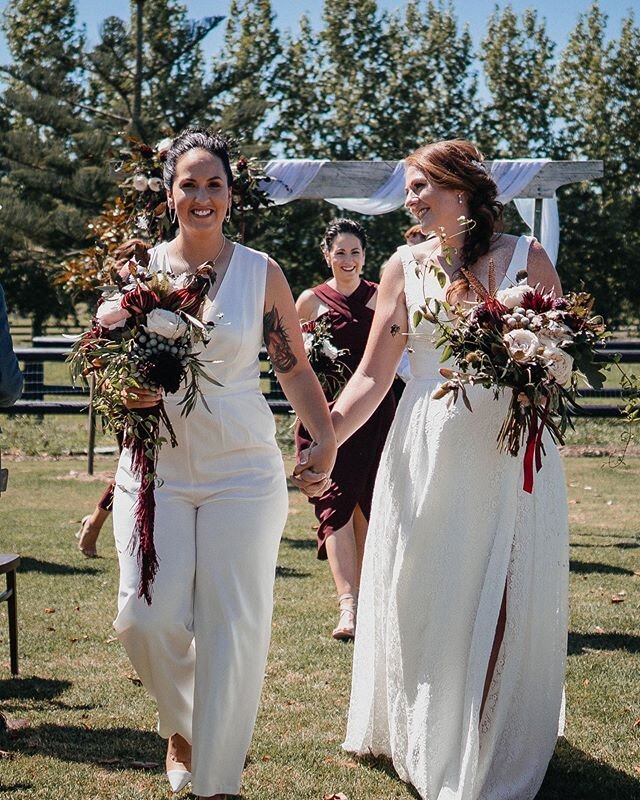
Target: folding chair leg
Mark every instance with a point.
(12, 609)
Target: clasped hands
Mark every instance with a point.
(312, 473)
(135, 397)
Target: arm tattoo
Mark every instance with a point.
(276, 340)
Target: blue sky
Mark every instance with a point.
(561, 15)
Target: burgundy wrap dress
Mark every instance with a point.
(354, 474)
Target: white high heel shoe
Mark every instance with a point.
(178, 779)
(179, 775)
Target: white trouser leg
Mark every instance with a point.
(237, 545)
(159, 638)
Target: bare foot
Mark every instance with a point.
(178, 753)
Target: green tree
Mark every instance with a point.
(52, 163)
(598, 90)
(518, 61)
(298, 104)
(64, 105)
(148, 73)
(430, 88)
(252, 47)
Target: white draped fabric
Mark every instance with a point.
(289, 178)
(292, 176)
(514, 175)
(387, 198)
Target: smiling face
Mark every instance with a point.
(432, 205)
(345, 257)
(200, 192)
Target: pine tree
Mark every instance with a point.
(51, 160)
(67, 104)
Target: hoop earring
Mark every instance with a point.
(172, 216)
(228, 214)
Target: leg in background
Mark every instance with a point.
(497, 643)
(91, 525)
(342, 554)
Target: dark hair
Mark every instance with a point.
(338, 226)
(191, 139)
(457, 164)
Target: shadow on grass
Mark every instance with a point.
(384, 765)
(9, 788)
(300, 544)
(50, 568)
(110, 748)
(579, 642)
(596, 566)
(574, 774)
(289, 572)
(571, 774)
(33, 688)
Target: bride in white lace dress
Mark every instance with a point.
(462, 615)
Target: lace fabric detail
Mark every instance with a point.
(450, 525)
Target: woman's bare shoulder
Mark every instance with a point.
(308, 304)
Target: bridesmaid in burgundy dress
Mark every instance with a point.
(347, 301)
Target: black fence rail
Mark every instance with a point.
(40, 397)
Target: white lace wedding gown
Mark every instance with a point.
(449, 526)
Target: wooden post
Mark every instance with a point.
(92, 427)
(537, 219)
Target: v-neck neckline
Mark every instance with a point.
(223, 280)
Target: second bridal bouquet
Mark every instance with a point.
(529, 343)
(144, 336)
(324, 356)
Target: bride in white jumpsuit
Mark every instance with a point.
(200, 648)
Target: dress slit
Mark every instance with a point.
(498, 639)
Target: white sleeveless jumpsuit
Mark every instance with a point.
(200, 648)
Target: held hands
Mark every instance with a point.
(312, 472)
(141, 398)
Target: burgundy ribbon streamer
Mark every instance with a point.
(530, 452)
(143, 464)
(533, 453)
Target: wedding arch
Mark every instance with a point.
(377, 187)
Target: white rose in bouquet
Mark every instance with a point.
(307, 339)
(559, 363)
(512, 296)
(330, 350)
(111, 315)
(163, 146)
(554, 333)
(521, 344)
(155, 184)
(140, 183)
(165, 323)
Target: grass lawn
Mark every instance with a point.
(90, 727)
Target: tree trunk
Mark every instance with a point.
(137, 82)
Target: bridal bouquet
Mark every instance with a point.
(143, 336)
(324, 356)
(532, 344)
